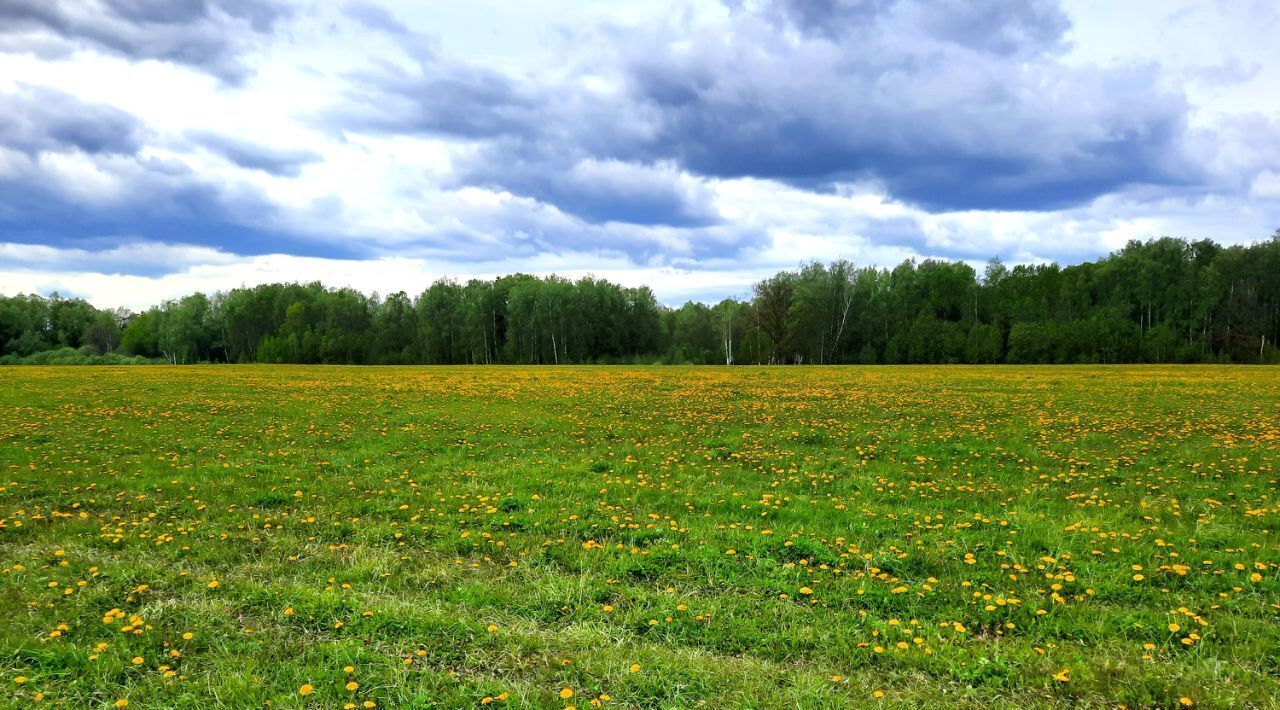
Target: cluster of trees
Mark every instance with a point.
(1164, 300)
(59, 331)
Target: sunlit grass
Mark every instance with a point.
(629, 537)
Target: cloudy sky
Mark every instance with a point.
(150, 148)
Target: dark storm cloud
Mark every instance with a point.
(829, 18)
(597, 191)
(164, 200)
(601, 193)
(439, 97)
(941, 157)
(532, 141)
(282, 162)
(926, 103)
(998, 26)
(950, 106)
(209, 35)
(374, 17)
(37, 119)
(236, 221)
(144, 197)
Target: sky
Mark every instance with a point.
(153, 148)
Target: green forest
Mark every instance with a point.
(1163, 300)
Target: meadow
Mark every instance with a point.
(332, 537)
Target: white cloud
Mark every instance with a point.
(218, 271)
(1266, 185)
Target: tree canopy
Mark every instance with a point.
(1163, 300)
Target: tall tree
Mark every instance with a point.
(773, 300)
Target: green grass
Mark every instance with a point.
(748, 537)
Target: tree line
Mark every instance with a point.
(1163, 300)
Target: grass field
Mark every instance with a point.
(667, 537)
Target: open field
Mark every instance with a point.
(668, 537)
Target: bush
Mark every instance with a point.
(72, 356)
